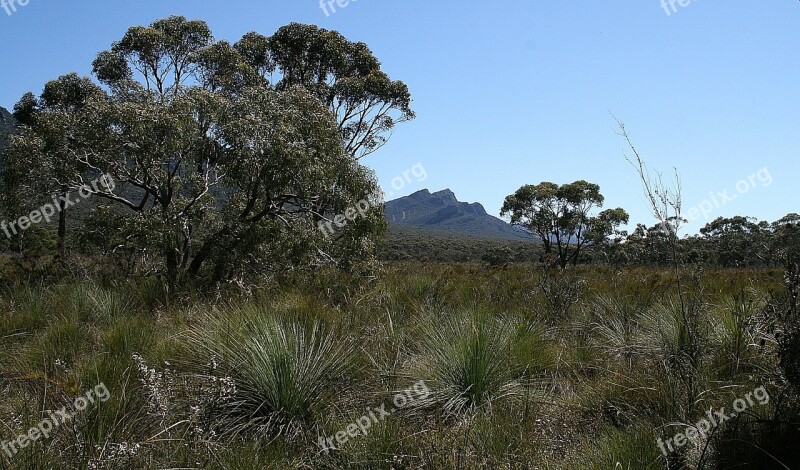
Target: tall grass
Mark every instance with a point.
(285, 374)
(471, 360)
(251, 383)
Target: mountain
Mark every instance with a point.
(441, 211)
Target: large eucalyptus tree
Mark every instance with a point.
(224, 156)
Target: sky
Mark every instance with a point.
(515, 92)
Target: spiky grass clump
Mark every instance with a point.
(614, 325)
(284, 372)
(470, 361)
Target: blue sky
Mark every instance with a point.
(515, 92)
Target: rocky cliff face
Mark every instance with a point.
(443, 211)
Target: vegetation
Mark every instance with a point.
(253, 380)
(402, 243)
(559, 216)
(232, 333)
(242, 144)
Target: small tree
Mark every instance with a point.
(560, 217)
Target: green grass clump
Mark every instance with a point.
(468, 361)
(285, 373)
(632, 449)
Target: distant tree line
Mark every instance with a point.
(561, 218)
(728, 242)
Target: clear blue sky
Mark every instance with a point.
(515, 92)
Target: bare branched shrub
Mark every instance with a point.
(561, 288)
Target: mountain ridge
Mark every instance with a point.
(441, 210)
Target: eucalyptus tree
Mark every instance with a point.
(39, 163)
(560, 216)
(735, 240)
(345, 75)
(226, 155)
(342, 74)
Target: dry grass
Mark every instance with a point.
(252, 382)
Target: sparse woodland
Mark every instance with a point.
(233, 334)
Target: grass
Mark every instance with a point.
(516, 379)
(281, 373)
(471, 360)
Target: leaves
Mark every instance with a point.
(559, 216)
(226, 157)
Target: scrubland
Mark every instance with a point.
(578, 369)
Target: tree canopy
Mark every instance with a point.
(225, 157)
(560, 216)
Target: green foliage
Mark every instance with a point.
(737, 241)
(737, 332)
(283, 372)
(624, 450)
(559, 216)
(409, 243)
(468, 361)
(346, 76)
(230, 174)
(498, 256)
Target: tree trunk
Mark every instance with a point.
(205, 251)
(172, 267)
(61, 244)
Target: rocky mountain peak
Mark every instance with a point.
(442, 210)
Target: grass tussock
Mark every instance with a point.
(281, 373)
